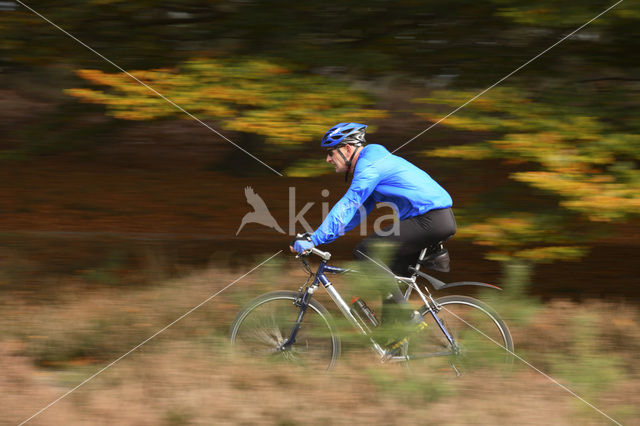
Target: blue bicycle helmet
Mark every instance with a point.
(344, 133)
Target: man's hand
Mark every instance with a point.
(300, 246)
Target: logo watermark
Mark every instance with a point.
(260, 213)
(355, 213)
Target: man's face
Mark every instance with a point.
(334, 158)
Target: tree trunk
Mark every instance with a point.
(516, 276)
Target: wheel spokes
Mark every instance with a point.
(266, 326)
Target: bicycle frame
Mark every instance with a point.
(303, 302)
(321, 279)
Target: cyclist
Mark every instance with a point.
(422, 205)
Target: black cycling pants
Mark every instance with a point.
(413, 235)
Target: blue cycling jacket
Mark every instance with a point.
(380, 176)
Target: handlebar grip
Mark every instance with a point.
(306, 236)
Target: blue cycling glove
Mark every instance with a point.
(302, 245)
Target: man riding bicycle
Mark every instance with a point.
(422, 205)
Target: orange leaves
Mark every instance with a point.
(467, 152)
(568, 152)
(252, 96)
(509, 237)
(502, 231)
(97, 77)
(572, 153)
(599, 197)
(87, 95)
(550, 254)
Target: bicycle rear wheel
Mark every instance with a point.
(262, 326)
(482, 339)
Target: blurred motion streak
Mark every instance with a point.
(473, 98)
(118, 213)
(155, 92)
(148, 339)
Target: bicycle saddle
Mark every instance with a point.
(436, 258)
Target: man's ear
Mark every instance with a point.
(350, 149)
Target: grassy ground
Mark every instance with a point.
(189, 375)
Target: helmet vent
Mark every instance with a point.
(344, 133)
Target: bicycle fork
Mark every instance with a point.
(302, 301)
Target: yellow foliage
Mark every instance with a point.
(502, 231)
(600, 197)
(467, 152)
(571, 154)
(252, 96)
(550, 254)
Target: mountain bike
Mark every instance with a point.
(294, 326)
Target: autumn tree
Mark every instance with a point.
(247, 96)
(574, 165)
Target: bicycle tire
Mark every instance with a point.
(263, 324)
(482, 337)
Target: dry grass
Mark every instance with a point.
(188, 375)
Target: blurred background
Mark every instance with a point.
(119, 212)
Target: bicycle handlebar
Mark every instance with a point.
(325, 255)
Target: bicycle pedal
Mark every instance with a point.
(421, 326)
(397, 345)
(392, 354)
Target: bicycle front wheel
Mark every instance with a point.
(262, 326)
(481, 338)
